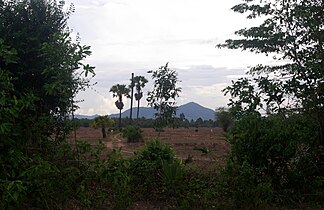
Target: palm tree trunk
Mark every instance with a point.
(120, 118)
(138, 107)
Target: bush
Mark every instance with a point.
(239, 186)
(146, 165)
(280, 148)
(119, 180)
(133, 134)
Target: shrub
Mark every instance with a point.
(116, 173)
(146, 165)
(280, 148)
(133, 134)
(239, 186)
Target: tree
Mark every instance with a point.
(199, 122)
(41, 70)
(164, 94)
(279, 108)
(102, 122)
(223, 118)
(139, 82)
(119, 91)
(292, 32)
(46, 69)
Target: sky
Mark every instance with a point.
(135, 36)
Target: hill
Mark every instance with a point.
(192, 111)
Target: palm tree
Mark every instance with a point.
(140, 82)
(119, 91)
(102, 122)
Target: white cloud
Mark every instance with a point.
(135, 36)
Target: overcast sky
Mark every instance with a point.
(139, 35)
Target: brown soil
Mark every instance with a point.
(182, 140)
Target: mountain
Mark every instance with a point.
(90, 117)
(192, 111)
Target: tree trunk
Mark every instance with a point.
(138, 107)
(120, 118)
(103, 132)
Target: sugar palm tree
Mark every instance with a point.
(139, 82)
(119, 91)
(102, 122)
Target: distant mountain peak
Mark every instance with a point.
(192, 104)
(191, 110)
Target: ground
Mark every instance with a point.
(182, 140)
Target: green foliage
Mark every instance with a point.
(39, 77)
(240, 187)
(276, 150)
(171, 173)
(146, 165)
(119, 91)
(46, 65)
(133, 134)
(14, 193)
(102, 122)
(82, 122)
(224, 118)
(164, 94)
(139, 83)
(291, 31)
(280, 148)
(117, 175)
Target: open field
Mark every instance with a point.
(182, 140)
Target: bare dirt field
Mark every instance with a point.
(184, 141)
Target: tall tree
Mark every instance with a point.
(292, 32)
(41, 70)
(162, 97)
(47, 65)
(119, 91)
(139, 82)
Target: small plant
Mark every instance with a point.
(204, 150)
(133, 134)
(171, 172)
(14, 193)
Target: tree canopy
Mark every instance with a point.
(165, 91)
(292, 33)
(47, 62)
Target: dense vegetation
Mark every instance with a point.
(276, 157)
(150, 123)
(277, 137)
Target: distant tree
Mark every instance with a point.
(199, 122)
(139, 82)
(164, 94)
(102, 122)
(182, 117)
(224, 118)
(119, 91)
